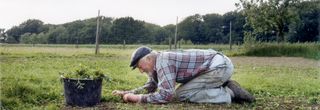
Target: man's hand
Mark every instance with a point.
(132, 98)
(120, 93)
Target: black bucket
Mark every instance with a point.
(82, 92)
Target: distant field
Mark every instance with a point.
(157, 47)
(30, 79)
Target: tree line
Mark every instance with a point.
(258, 20)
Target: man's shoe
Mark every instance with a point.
(240, 94)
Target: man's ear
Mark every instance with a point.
(148, 58)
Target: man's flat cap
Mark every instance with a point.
(138, 54)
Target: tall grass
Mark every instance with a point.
(307, 50)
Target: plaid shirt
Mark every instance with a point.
(172, 67)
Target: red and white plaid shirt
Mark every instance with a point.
(172, 67)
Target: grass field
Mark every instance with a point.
(30, 78)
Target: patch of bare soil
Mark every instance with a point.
(100, 106)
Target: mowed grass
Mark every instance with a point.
(30, 79)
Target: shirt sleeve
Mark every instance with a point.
(150, 86)
(166, 86)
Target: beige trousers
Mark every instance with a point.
(207, 88)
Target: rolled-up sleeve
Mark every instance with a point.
(150, 86)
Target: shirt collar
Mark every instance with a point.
(155, 62)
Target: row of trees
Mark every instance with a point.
(263, 20)
(282, 20)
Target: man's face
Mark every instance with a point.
(145, 66)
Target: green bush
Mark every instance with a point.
(84, 72)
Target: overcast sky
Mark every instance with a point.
(161, 12)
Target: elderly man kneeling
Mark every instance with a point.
(204, 76)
